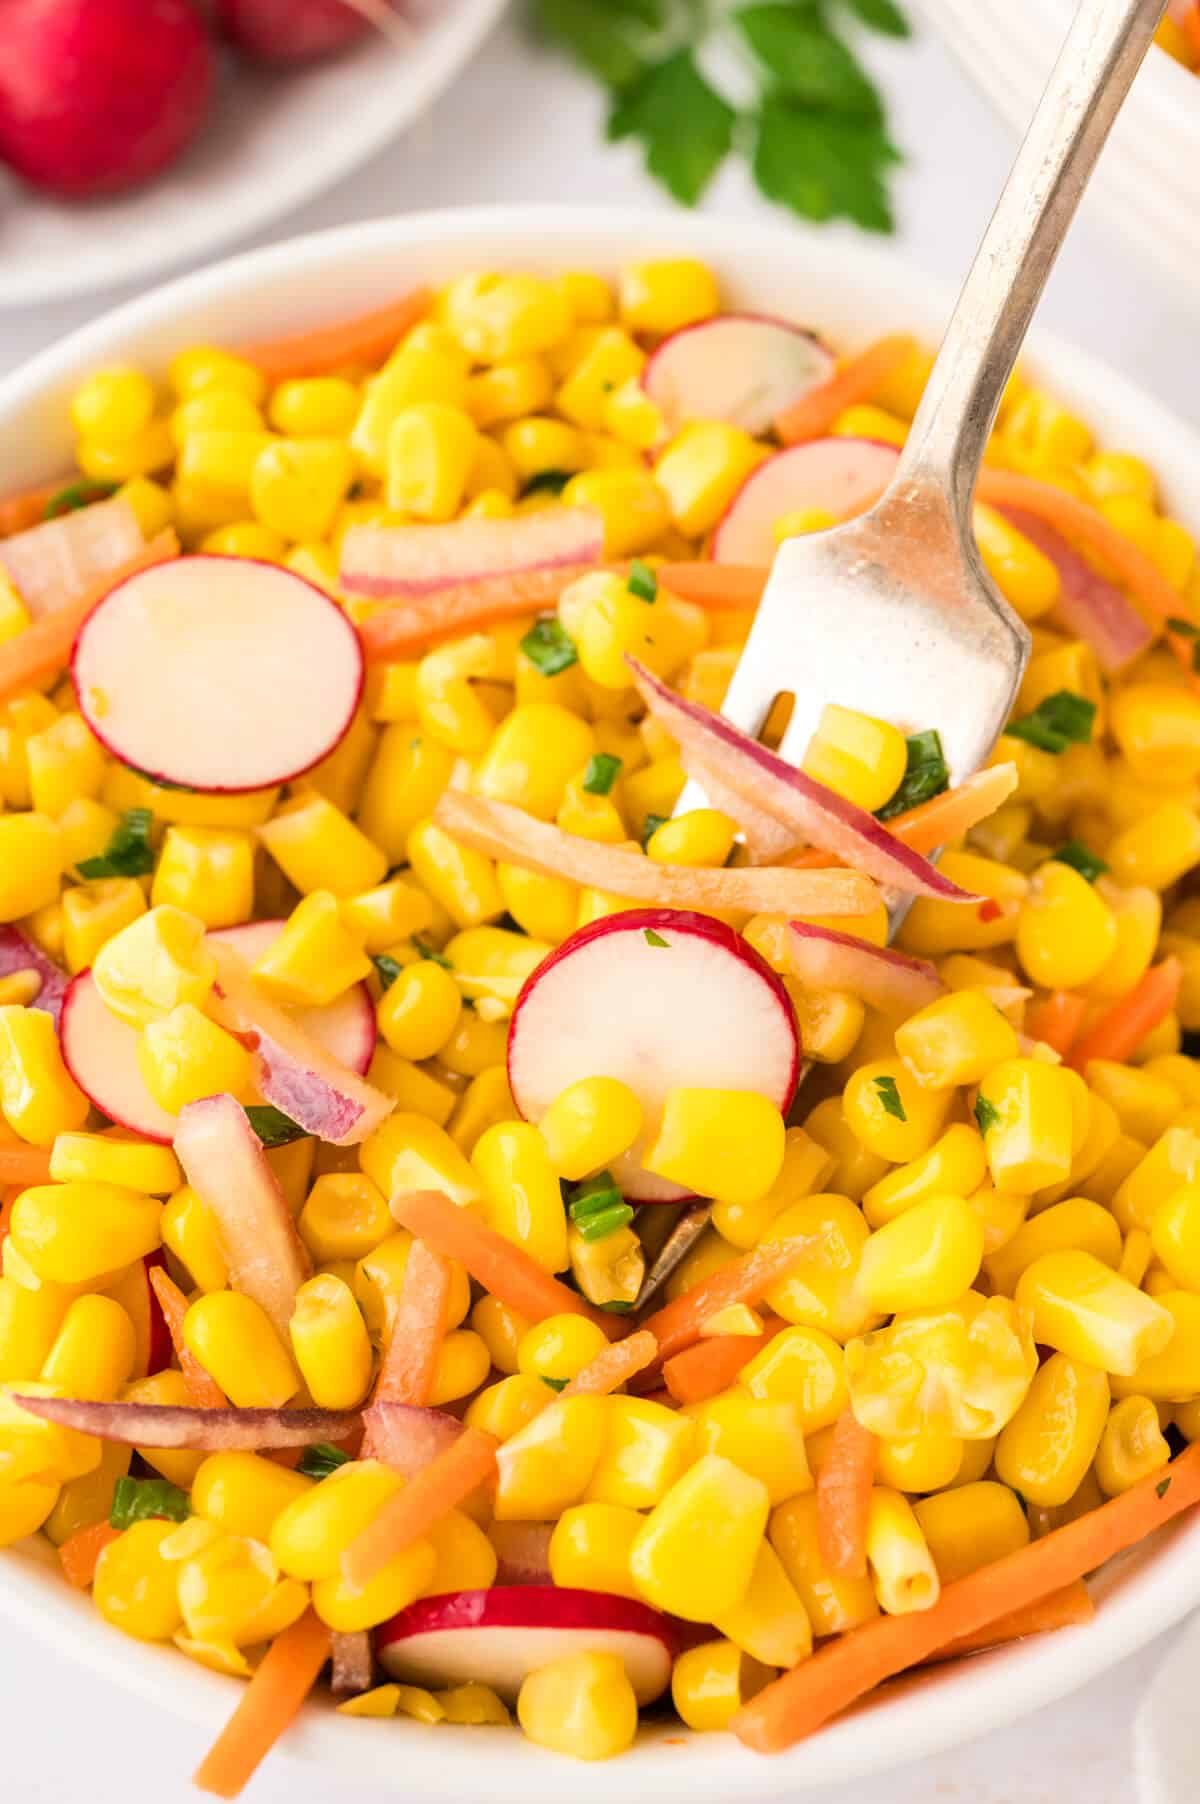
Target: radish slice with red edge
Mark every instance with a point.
(892, 981)
(662, 999)
(204, 1430)
(811, 812)
(1088, 604)
(744, 368)
(398, 561)
(18, 953)
(218, 673)
(345, 1027)
(50, 565)
(405, 1436)
(499, 1636)
(838, 476)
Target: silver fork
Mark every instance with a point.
(892, 613)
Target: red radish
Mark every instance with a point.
(825, 960)
(222, 674)
(223, 1161)
(523, 1552)
(406, 1437)
(99, 95)
(18, 953)
(396, 561)
(208, 1430)
(660, 998)
(293, 31)
(51, 564)
(743, 367)
(1088, 603)
(838, 476)
(101, 1051)
(498, 1636)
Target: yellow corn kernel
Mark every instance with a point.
(1026, 1110)
(889, 1112)
(509, 1405)
(406, 777)
(318, 847)
(955, 1165)
(25, 1507)
(962, 1370)
(1066, 932)
(1136, 1256)
(410, 1152)
(1076, 1223)
(208, 873)
(231, 1593)
(1025, 576)
(663, 295)
(314, 407)
(544, 906)
(701, 837)
(134, 1588)
(233, 1338)
(932, 928)
(547, 1464)
(898, 1558)
(508, 391)
(591, 1546)
(190, 1232)
(611, 359)
(420, 1010)
(486, 1101)
(1175, 1235)
(311, 1533)
(38, 1097)
(832, 1602)
(465, 1558)
(559, 1347)
(923, 1259)
(392, 911)
(168, 1388)
(589, 1124)
(93, 914)
(14, 618)
(155, 964)
(1157, 726)
(653, 790)
(829, 1022)
(418, 372)
(201, 368)
(330, 1343)
(1131, 1447)
(430, 450)
(344, 1217)
(714, 1504)
(648, 1446)
(804, 1367)
(762, 1437)
(65, 764)
(495, 317)
(920, 1462)
(502, 1329)
(524, 1202)
(113, 403)
(631, 504)
(538, 444)
(821, 1291)
(1146, 1105)
(701, 469)
(955, 1040)
(463, 1365)
(93, 1351)
(186, 1056)
(971, 1527)
(215, 467)
(608, 1270)
(29, 1322)
(215, 410)
(862, 758)
(1138, 916)
(33, 1448)
(413, 1090)
(1082, 1308)
(1173, 1374)
(461, 880)
(770, 1624)
(315, 959)
(392, 692)
(721, 1143)
(83, 1502)
(806, 1169)
(244, 1493)
(580, 1704)
(348, 1609)
(106, 1160)
(31, 863)
(378, 1278)
(1046, 1450)
(711, 1682)
(118, 460)
(1157, 850)
(532, 755)
(75, 1233)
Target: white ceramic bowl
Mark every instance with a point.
(274, 140)
(852, 293)
(1147, 184)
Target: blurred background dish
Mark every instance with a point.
(1147, 185)
(275, 135)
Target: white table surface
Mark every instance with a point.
(520, 125)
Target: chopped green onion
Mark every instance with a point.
(1081, 858)
(593, 1195)
(601, 773)
(77, 495)
(603, 1222)
(1187, 629)
(272, 1126)
(547, 482)
(431, 953)
(319, 1460)
(1062, 719)
(642, 581)
(618, 1307)
(549, 648)
(655, 939)
(986, 1114)
(556, 1384)
(389, 969)
(138, 1499)
(1162, 1487)
(889, 1096)
(926, 775)
(128, 852)
(651, 826)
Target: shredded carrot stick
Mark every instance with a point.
(203, 1390)
(288, 1671)
(844, 1496)
(855, 380)
(45, 647)
(1119, 1033)
(404, 626)
(409, 1365)
(367, 338)
(507, 1271)
(1191, 27)
(719, 586)
(710, 1366)
(614, 1367)
(1060, 1610)
(28, 508)
(747, 1280)
(426, 1499)
(1056, 1020)
(851, 1665)
(24, 1165)
(946, 818)
(7, 1199)
(81, 1551)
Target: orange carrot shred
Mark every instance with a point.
(948, 817)
(1118, 1034)
(80, 1553)
(1060, 1610)
(288, 1671)
(847, 1667)
(614, 1366)
(711, 1365)
(203, 1390)
(426, 1499)
(403, 626)
(1056, 1020)
(45, 647)
(747, 1280)
(844, 1496)
(24, 1165)
(409, 1365)
(507, 1271)
(855, 380)
(367, 338)
(733, 586)
(28, 508)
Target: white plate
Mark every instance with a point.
(274, 139)
(1147, 184)
(851, 292)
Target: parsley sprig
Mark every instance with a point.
(815, 133)
(128, 852)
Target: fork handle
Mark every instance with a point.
(1100, 57)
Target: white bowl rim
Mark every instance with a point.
(1140, 1595)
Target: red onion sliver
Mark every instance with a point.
(207, 1430)
(53, 563)
(17, 953)
(839, 961)
(1088, 603)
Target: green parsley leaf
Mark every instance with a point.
(606, 39)
(547, 482)
(684, 126)
(77, 495)
(272, 1126)
(889, 1096)
(1062, 719)
(603, 1222)
(431, 953)
(556, 1384)
(986, 1114)
(642, 581)
(797, 45)
(651, 825)
(926, 775)
(881, 15)
(389, 969)
(548, 647)
(128, 852)
(602, 771)
(138, 1499)
(655, 939)
(824, 165)
(319, 1460)
(1163, 1486)
(1187, 629)
(1081, 858)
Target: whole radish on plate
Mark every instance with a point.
(295, 31)
(99, 95)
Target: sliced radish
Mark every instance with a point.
(499, 1636)
(101, 1051)
(51, 564)
(385, 561)
(840, 476)
(218, 673)
(18, 953)
(889, 980)
(743, 367)
(701, 1010)
(207, 1430)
